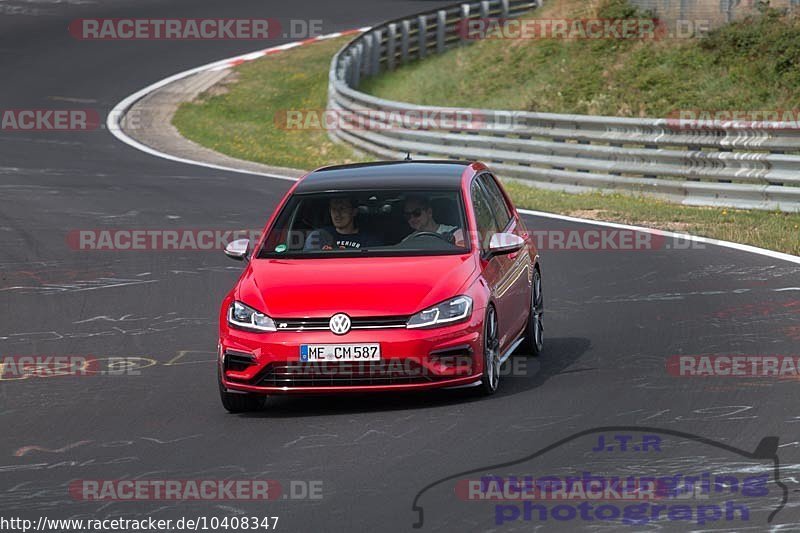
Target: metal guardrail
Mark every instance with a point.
(746, 165)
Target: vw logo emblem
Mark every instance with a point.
(340, 323)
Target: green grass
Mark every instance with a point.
(753, 64)
(766, 229)
(241, 123)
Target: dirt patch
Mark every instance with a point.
(593, 214)
(218, 89)
(602, 214)
(679, 227)
(570, 9)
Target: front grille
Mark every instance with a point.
(318, 324)
(350, 374)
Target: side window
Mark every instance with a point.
(484, 218)
(497, 200)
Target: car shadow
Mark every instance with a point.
(521, 373)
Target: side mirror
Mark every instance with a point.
(238, 249)
(505, 243)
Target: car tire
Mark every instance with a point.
(534, 331)
(490, 380)
(239, 403)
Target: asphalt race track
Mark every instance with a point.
(612, 320)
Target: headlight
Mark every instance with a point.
(242, 316)
(448, 312)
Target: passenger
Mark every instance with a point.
(344, 233)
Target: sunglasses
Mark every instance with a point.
(413, 214)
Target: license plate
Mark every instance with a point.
(340, 352)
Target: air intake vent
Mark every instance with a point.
(238, 362)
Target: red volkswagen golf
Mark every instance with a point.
(377, 277)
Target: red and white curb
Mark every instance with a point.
(236, 61)
(116, 114)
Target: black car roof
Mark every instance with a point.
(385, 175)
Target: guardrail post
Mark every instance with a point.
(405, 28)
(346, 72)
(441, 22)
(485, 9)
(355, 80)
(463, 24)
(375, 68)
(422, 36)
(366, 60)
(503, 9)
(391, 41)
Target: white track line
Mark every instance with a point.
(683, 236)
(116, 114)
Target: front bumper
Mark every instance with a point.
(411, 359)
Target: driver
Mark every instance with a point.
(419, 215)
(344, 233)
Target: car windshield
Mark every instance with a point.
(392, 222)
